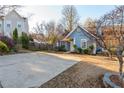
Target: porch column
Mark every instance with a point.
(94, 49)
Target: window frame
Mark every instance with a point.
(19, 23)
(8, 23)
(0, 24)
(74, 41)
(82, 41)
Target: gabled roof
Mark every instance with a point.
(14, 12)
(81, 30)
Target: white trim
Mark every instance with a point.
(71, 46)
(83, 40)
(1, 24)
(87, 31)
(74, 41)
(8, 22)
(94, 49)
(15, 12)
(4, 26)
(19, 23)
(70, 32)
(81, 30)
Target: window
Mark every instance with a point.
(19, 25)
(83, 43)
(8, 25)
(78, 30)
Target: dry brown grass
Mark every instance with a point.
(86, 73)
(100, 61)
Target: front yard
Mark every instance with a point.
(41, 68)
(87, 73)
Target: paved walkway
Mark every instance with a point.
(30, 69)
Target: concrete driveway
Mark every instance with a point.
(30, 69)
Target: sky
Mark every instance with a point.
(38, 14)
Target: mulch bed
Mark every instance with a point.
(19, 52)
(72, 78)
(115, 79)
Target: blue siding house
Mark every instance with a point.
(79, 37)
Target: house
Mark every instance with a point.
(11, 21)
(79, 37)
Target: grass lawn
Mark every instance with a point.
(86, 73)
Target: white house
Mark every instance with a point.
(11, 21)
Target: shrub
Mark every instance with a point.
(15, 35)
(86, 51)
(79, 50)
(3, 47)
(62, 48)
(91, 47)
(8, 41)
(75, 48)
(24, 40)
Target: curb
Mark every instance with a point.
(107, 82)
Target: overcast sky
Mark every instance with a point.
(53, 13)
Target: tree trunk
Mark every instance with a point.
(121, 66)
(121, 69)
(110, 54)
(120, 58)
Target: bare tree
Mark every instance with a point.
(52, 31)
(120, 36)
(90, 25)
(39, 28)
(70, 17)
(102, 29)
(115, 21)
(6, 8)
(97, 28)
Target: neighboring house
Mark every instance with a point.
(11, 21)
(79, 37)
(38, 38)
